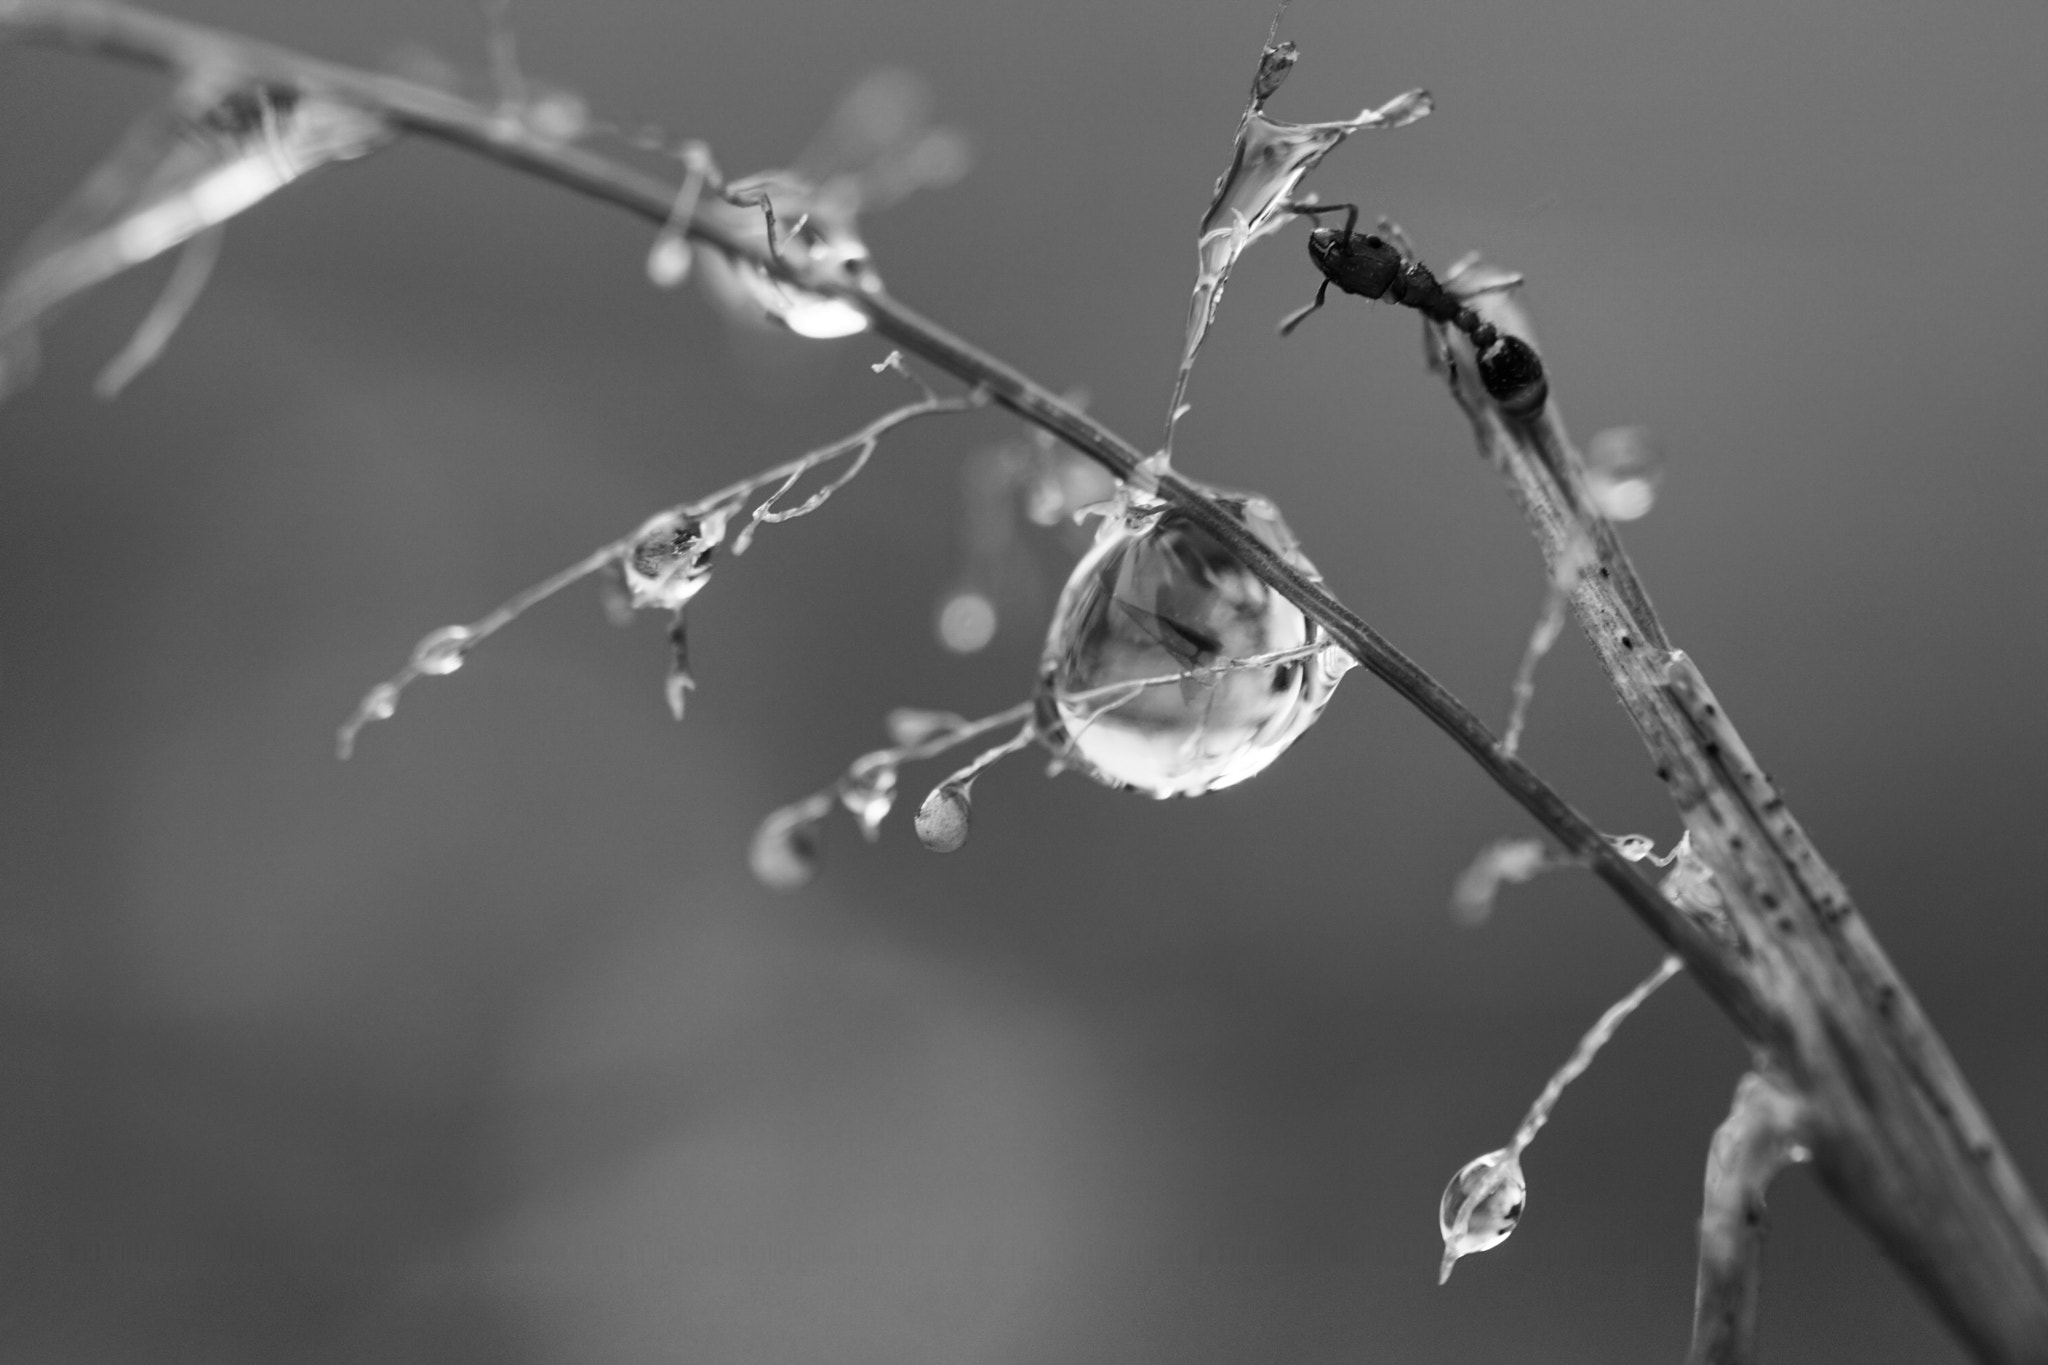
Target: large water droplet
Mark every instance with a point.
(1481, 1206)
(1159, 597)
(944, 818)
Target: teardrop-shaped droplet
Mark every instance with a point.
(440, 653)
(1159, 597)
(671, 558)
(784, 854)
(868, 794)
(944, 818)
(1481, 1206)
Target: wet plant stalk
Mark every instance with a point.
(1899, 1138)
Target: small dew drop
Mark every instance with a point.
(869, 793)
(944, 817)
(909, 725)
(1501, 863)
(670, 561)
(381, 703)
(668, 261)
(1481, 1206)
(1634, 847)
(1621, 472)
(440, 653)
(967, 622)
(784, 854)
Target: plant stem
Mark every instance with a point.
(1898, 1136)
(1765, 1131)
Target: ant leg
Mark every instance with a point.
(1315, 210)
(1391, 230)
(1294, 319)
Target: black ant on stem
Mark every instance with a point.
(1372, 267)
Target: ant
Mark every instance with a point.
(1372, 267)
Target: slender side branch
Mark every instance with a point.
(1897, 1134)
(1765, 1131)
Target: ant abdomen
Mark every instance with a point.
(1512, 374)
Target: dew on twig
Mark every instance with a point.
(665, 562)
(944, 816)
(212, 152)
(878, 147)
(1170, 668)
(1484, 1201)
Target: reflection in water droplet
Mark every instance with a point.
(967, 622)
(1481, 1206)
(1157, 597)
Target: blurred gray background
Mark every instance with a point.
(485, 1047)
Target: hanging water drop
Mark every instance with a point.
(1481, 1206)
(944, 817)
(784, 854)
(1140, 684)
(671, 558)
(869, 792)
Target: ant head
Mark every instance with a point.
(1325, 244)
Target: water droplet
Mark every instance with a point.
(671, 558)
(1158, 597)
(1621, 472)
(1481, 1206)
(440, 653)
(869, 792)
(944, 817)
(908, 725)
(1499, 864)
(668, 261)
(784, 854)
(381, 703)
(827, 243)
(1634, 847)
(1336, 661)
(967, 622)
